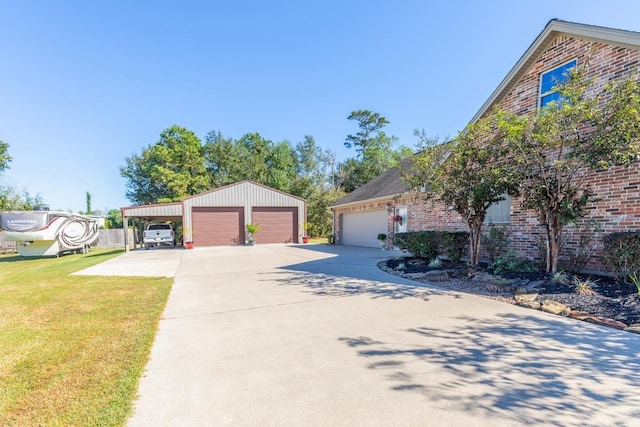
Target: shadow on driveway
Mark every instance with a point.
(545, 371)
(348, 271)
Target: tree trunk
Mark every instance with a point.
(554, 233)
(475, 228)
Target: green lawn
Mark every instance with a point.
(73, 348)
(318, 240)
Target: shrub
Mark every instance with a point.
(455, 244)
(429, 244)
(495, 240)
(401, 241)
(422, 244)
(541, 244)
(622, 253)
(577, 259)
(512, 263)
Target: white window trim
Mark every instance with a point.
(549, 92)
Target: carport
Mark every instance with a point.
(219, 217)
(140, 215)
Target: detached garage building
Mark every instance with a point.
(219, 217)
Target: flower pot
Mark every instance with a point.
(188, 245)
(305, 239)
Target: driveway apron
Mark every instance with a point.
(314, 335)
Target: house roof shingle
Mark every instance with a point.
(388, 184)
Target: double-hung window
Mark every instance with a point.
(499, 213)
(550, 80)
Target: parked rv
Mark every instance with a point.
(44, 233)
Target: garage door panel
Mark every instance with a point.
(277, 225)
(218, 226)
(362, 228)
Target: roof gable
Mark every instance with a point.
(245, 183)
(555, 27)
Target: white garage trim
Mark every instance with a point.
(362, 228)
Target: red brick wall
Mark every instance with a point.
(618, 189)
(422, 214)
(619, 207)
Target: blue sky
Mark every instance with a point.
(85, 84)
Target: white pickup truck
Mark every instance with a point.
(158, 234)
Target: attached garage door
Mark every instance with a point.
(218, 226)
(362, 228)
(277, 225)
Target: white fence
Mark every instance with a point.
(112, 238)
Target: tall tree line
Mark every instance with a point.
(180, 164)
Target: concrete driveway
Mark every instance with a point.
(318, 336)
(159, 262)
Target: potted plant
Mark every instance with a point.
(188, 244)
(251, 230)
(383, 240)
(305, 236)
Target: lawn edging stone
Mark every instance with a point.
(525, 294)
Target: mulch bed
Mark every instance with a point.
(612, 299)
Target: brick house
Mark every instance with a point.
(385, 205)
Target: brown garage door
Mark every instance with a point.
(277, 225)
(218, 226)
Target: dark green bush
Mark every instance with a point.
(495, 240)
(429, 244)
(510, 262)
(401, 240)
(422, 244)
(622, 253)
(455, 244)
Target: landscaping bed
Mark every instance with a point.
(610, 299)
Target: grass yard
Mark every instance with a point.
(73, 348)
(318, 240)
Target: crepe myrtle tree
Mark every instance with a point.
(468, 174)
(592, 128)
